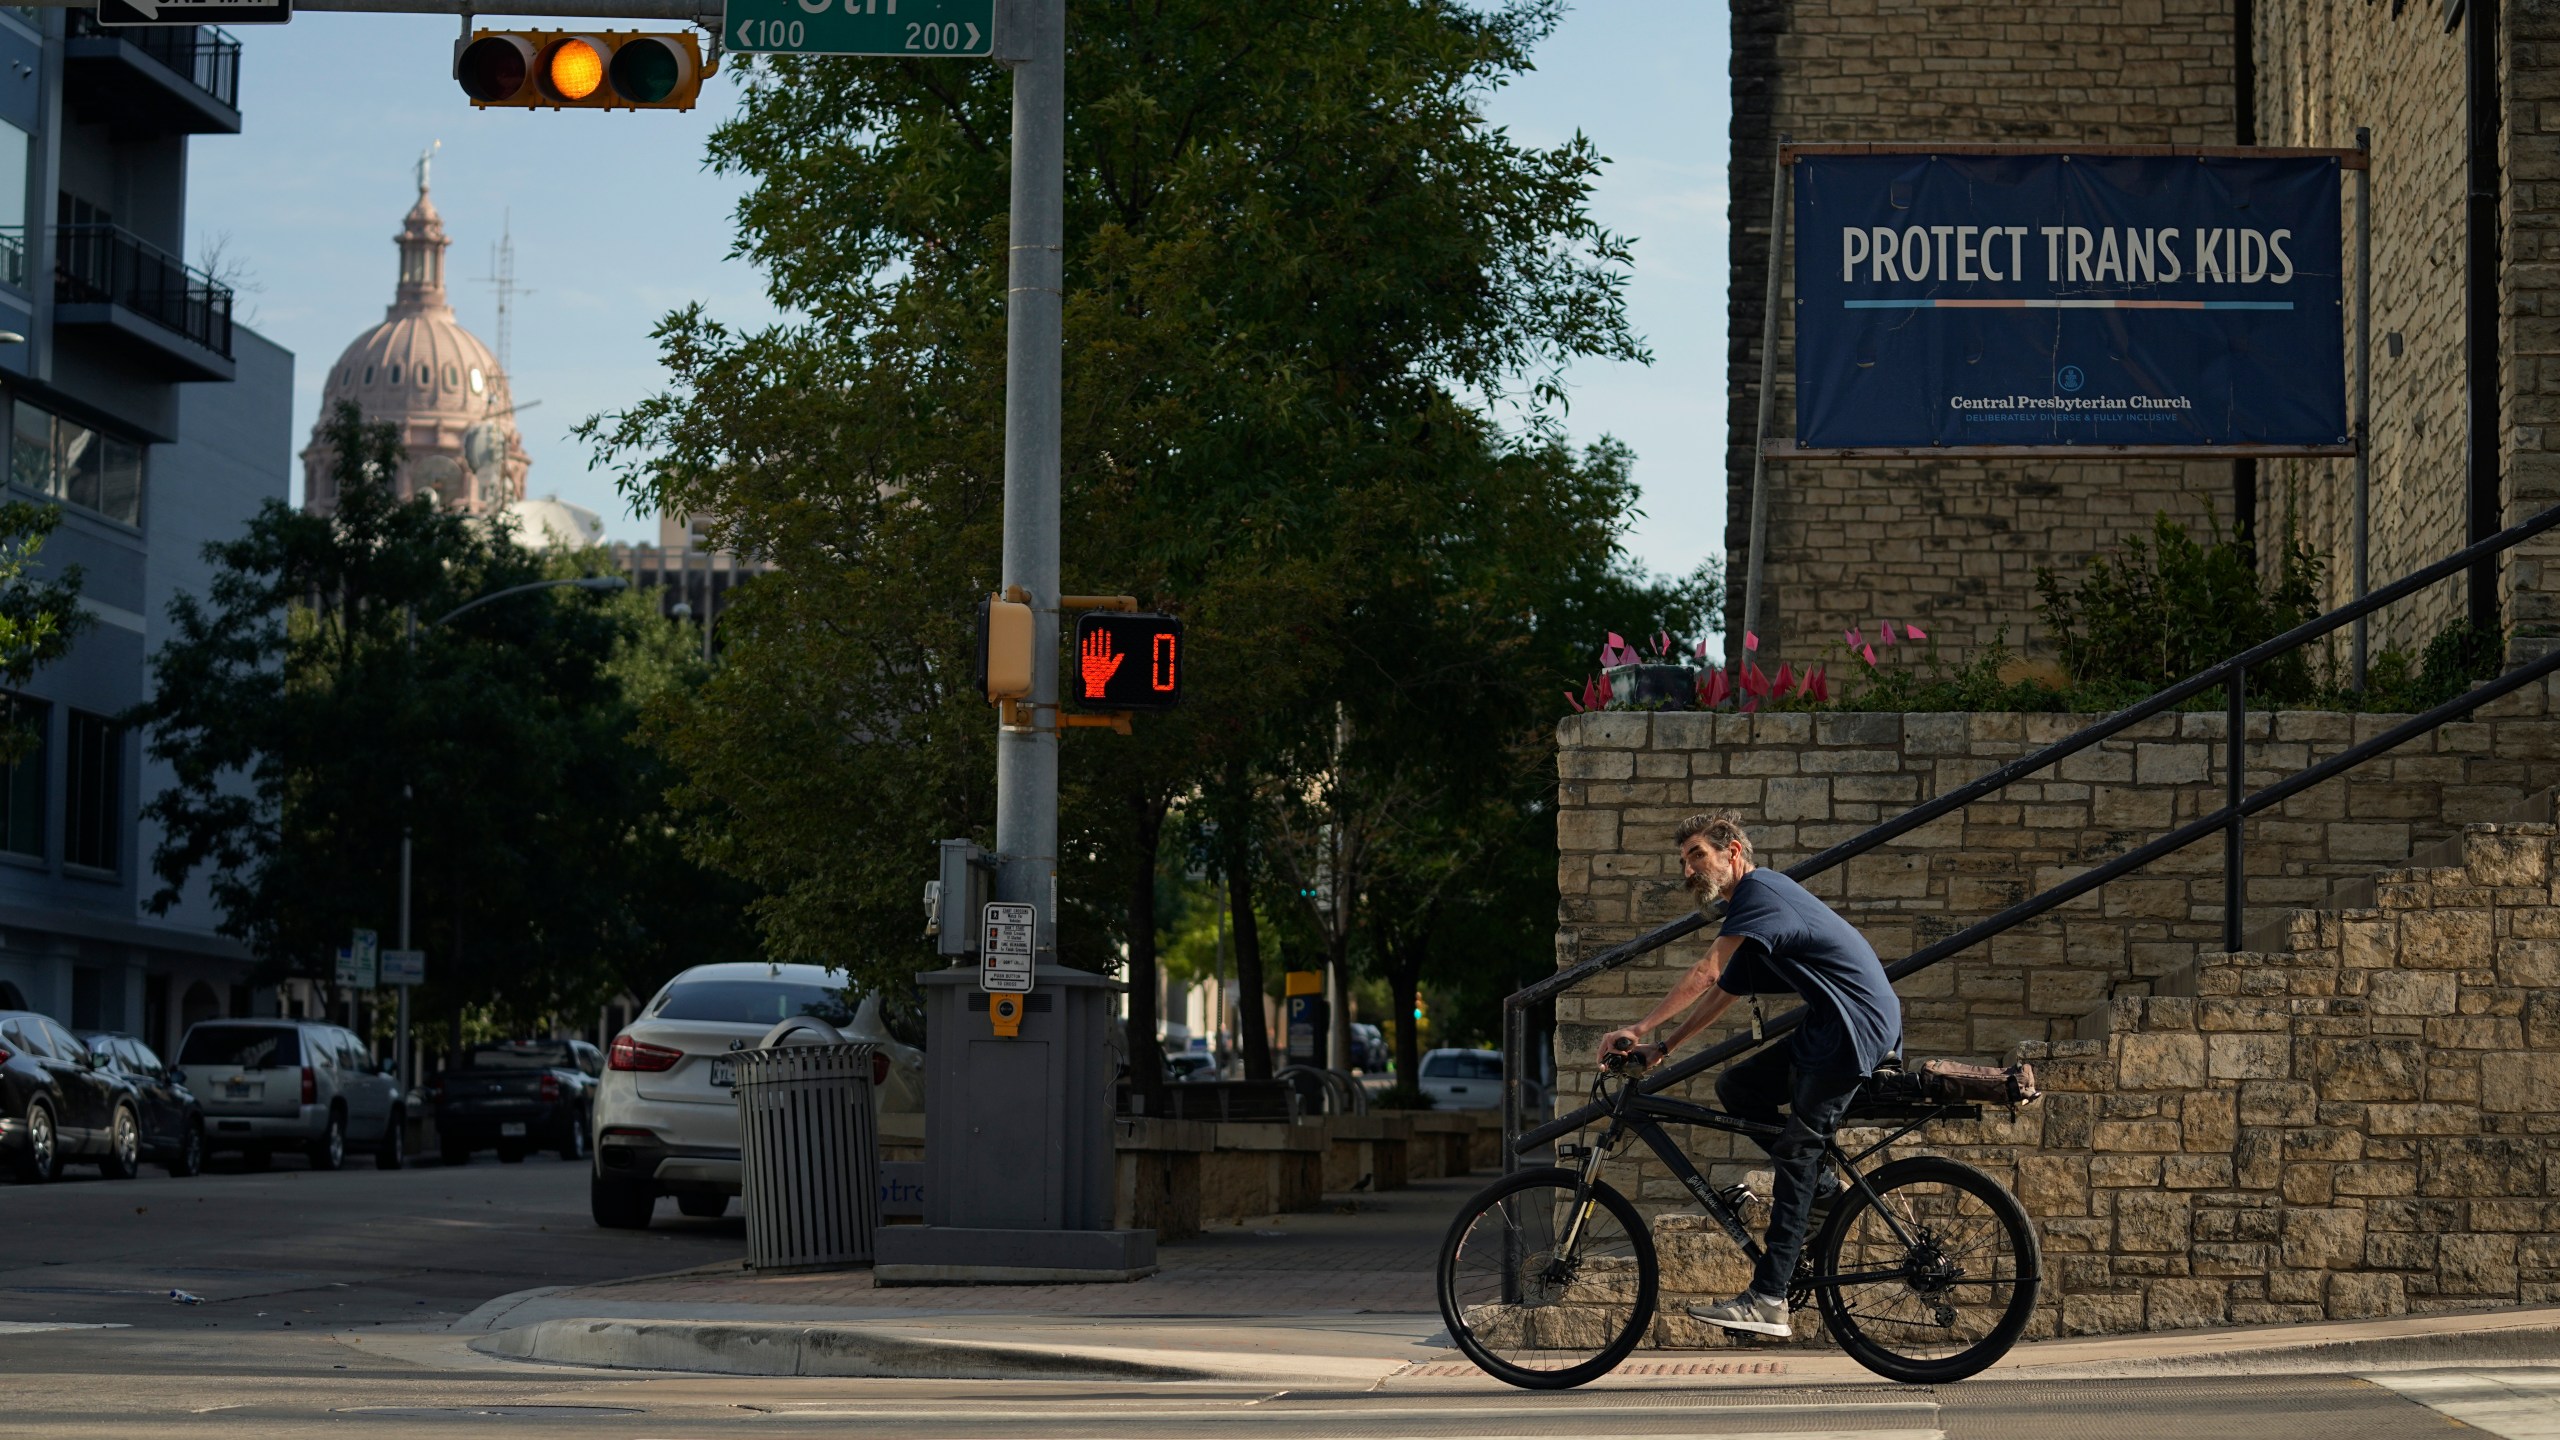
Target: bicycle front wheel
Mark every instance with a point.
(1546, 1287)
(1941, 1291)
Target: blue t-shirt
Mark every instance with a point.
(1795, 943)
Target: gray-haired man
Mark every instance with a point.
(1777, 939)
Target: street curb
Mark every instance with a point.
(783, 1349)
(2529, 1339)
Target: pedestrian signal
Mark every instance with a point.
(1126, 662)
(566, 70)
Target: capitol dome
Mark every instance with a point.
(434, 380)
(551, 523)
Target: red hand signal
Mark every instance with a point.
(1098, 662)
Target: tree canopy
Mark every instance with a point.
(1316, 315)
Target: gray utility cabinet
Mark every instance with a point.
(1019, 1176)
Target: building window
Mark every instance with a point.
(93, 791)
(64, 460)
(22, 780)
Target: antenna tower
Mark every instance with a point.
(502, 278)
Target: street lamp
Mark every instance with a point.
(600, 584)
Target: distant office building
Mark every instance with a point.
(688, 570)
(158, 423)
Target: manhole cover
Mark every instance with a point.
(486, 1412)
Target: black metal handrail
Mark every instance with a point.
(2231, 818)
(202, 55)
(107, 264)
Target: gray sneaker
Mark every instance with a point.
(1746, 1311)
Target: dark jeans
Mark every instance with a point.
(1815, 1101)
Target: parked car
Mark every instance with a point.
(515, 1097)
(666, 1120)
(172, 1121)
(58, 1103)
(267, 1085)
(1462, 1079)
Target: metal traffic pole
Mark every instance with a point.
(1027, 754)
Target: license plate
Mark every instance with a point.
(236, 1088)
(724, 1073)
(511, 1127)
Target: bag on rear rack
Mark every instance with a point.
(1951, 1082)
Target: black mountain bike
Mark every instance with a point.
(1926, 1271)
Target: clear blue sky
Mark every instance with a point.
(616, 222)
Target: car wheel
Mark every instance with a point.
(188, 1158)
(43, 1160)
(575, 1147)
(330, 1150)
(703, 1207)
(257, 1157)
(393, 1152)
(621, 1204)
(123, 1159)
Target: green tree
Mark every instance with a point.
(39, 619)
(306, 719)
(1301, 271)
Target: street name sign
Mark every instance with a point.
(1004, 959)
(404, 967)
(194, 12)
(859, 27)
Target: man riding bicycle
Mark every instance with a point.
(1777, 939)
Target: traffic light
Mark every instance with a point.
(1126, 662)
(580, 70)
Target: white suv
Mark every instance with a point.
(269, 1085)
(666, 1116)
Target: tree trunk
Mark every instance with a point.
(1248, 937)
(1146, 1053)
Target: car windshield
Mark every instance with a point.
(251, 1047)
(519, 1055)
(753, 1002)
(1462, 1066)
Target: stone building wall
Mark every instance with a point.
(1803, 782)
(2360, 1124)
(1956, 544)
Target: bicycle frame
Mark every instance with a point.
(1636, 1113)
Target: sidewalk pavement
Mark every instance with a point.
(1339, 1296)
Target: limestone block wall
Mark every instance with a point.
(2365, 1123)
(1803, 782)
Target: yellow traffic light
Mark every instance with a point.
(581, 70)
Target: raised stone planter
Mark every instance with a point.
(1261, 1168)
(1443, 1143)
(1366, 1151)
(1159, 1173)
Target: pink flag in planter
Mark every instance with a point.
(1786, 680)
(1853, 636)
(1815, 687)
(1750, 641)
(1719, 687)
(1884, 632)
(1916, 633)
(1870, 654)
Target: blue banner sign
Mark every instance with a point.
(2065, 299)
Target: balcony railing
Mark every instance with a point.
(104, 264)
(206, 57)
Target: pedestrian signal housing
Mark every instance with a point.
(580, 70)
(1126, 662)
(1004, 649)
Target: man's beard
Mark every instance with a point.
(1702, 894)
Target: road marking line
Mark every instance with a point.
(30, 1327)
(2519, 1404)
(1902, 1412)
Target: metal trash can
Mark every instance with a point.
(808, 1155)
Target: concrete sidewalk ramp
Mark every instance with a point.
(843, 1351)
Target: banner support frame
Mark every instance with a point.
(1738, 647)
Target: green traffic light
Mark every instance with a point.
(645, 70)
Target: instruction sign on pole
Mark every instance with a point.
(404, 967)
(356, 963)
(1004, 954)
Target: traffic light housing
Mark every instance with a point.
(580, 70)
(1125, 662)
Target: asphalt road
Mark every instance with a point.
(323, 1294)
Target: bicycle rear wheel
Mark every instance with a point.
(1536, 1300)
(1946, 1303)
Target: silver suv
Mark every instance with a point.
(267, 1085)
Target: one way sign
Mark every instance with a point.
(860, 27)
(194, 12)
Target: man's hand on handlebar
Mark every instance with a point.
(1620, 1054)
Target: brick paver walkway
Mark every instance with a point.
(1369, 1254)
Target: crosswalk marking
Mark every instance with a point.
(2522, 1403)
